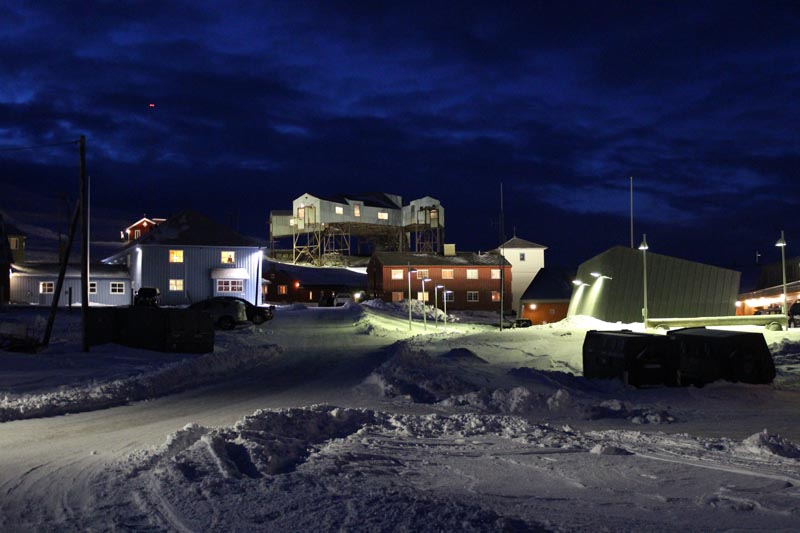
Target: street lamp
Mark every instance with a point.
(445, 292)
(424, 307)
(782, 245)
(643, 247)
(436, 304)
(410, 271)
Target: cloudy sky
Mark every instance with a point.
(257, 103)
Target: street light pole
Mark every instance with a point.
(643, 247)
(444, 295)
(410, 271)
(436, 303)
(782, 245)
(424, 306)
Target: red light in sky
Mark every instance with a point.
(152, 105)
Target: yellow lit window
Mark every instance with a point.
(495, 296)
(228, 257)
(176, 284)
(495, 273)
(472, 273)
(176, 256)
(422, 273)
(397, 273)
(339, 210)
(356, 210)
(447, 273)
(383, 215)
(283, 289)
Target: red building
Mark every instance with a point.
(139, 228)
(471, 281)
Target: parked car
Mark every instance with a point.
(226, 313)
(342, 298)
(256, 315)
(522, 323)
(794, 315)
(147, 297)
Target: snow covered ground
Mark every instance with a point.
(346, 419)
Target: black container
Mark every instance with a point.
(638, 359)
(707, 355)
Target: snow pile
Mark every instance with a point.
(518, 400)
(418, 308)
(637, 415)
(171, 378)
(764, 443)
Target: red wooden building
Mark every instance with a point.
(139, 228)
(471, 281)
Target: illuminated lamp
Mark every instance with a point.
(532, 307)
(782, 245)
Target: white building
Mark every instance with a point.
(526, 259)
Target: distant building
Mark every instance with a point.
(472, 281)
(546, 300)
(6, 259)
(767, 297)
(35, 283)
(287, 283)
(610, 287)
(190, 258)
(139, 228)
(526, 259)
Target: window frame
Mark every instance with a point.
(448, 273)
(398, 296)
(225, 254)
(397, 273)
(13, 242)
(176, 256)
(116, 287)
(423, 273)
(356, 210)
(229, 286)
(283, 289)
(473, 273)
(495, 273)
(471, 299)
(522, 256)
(383, 215)
(423, 296)
(47, 287)
(176, 285)
(450, 296)
(92, 285)
(495, 296)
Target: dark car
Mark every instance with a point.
(522, 323)
(256, 315)
(147, 297)
(225, 312)
(794, 315)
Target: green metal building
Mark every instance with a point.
(610, 287)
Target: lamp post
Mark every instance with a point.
(782, 245)
(424, 307)
(445, 292)
(643, 247)
(436, 303)
(410, 271)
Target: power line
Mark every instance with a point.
(33, 147)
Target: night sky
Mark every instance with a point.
(560, 101)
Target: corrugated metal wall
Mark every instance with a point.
(25, 289)
(675, 287)
(195, 271)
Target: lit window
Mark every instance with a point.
(398, 296)
(472, 296)
(447, 273)
(382, 215)
(301, 212)
(283, 289)
(422, 296)
(397, 273)
(92, 287)
(47, 287)
(176, 284)
(14, 242)
(228, 257)
(495, 273)
(495, 296)
(176, 256)
(472, 273)
(292, 221)
(522, 256)
(339, 210)
(117, 287)
(422, 273)
(310, 296)
(356, 210)
(230, 285)
(137, 233)
(449, 296)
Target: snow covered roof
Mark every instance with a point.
(96, 270)
(516, 242)
(318, 276)
(550, 284)
(418, 259)
(193, 229)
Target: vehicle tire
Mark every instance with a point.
(258, 318)
(225, 322)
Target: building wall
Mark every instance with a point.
(545, 312)
(325, 212)
(26, 289)
(523, 271)
(383, 286)
(676, 288)
(150, 267)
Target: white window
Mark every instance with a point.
(14, 242)
(47, 287)
(397, 273)
(339, 210)
(495, 273)
(449, 296)
(472, 273)
(137, 233)
(522, 256)
(495, 296)
(447, 273)
(176, 284)
(117, 287)
(283, 289)
(228, 257)
(398, 296)
(230, 285)
(382, 215)
(472, 296)
(92, 287)
(422, 273)
(422, 296)
(176, 256)
(356, 210)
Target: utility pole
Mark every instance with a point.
(631, 211)
(84, 244)
(501, 258)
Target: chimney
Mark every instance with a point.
(449, 250)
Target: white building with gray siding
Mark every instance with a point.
(35, 283)
(190, 258)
